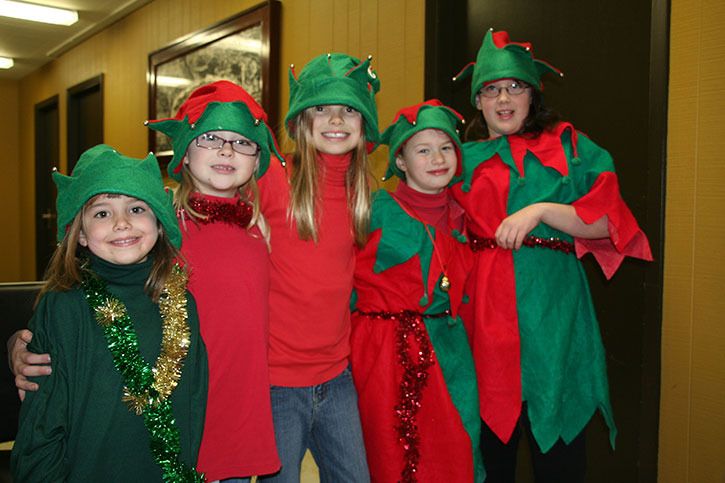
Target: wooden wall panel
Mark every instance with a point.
(693, 361)
(12, 161)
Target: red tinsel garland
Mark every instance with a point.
(478, 244)
(415, 375)
(239, 213)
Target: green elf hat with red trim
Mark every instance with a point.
(336, 79)
(219, 106)
(499, 58)
(102, 169)
(432, 114)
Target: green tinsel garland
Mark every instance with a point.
(144, 393)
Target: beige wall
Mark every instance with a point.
(9, 189)
(391, 30)
(692, 416)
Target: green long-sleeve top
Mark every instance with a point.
(75, 427)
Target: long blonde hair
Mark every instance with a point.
(66, 266)
(305, 191)
(249, 192)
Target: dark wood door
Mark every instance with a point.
(85, 118)
(614, 55)
(47, 152)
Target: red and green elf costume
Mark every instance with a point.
(533, 328)
(410, 357)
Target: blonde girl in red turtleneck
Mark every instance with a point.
(318, 209)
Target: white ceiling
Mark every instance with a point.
(33, 44)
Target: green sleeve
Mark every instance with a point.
(39, 453)
(196, 361)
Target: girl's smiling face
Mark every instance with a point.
(505, 113)
(118, 228)
(336, 129)
(221, 172)
(429, 160)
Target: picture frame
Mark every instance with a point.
(243, 49)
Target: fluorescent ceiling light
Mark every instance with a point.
(37, 13)
(6, 62)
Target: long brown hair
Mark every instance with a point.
(66, 266)
(304, 184)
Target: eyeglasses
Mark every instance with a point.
(512, 88)
(241, 146)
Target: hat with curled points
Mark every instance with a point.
(102, 169)
(499, 58)
(336, 79)
(219, 106)
(432, 114)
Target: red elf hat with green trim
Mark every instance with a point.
(219, 106)
(500, 58)
(336, 79)
(432, 114)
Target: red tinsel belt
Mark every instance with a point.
(478, 243)
(415, 365)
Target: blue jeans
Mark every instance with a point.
(325, 419)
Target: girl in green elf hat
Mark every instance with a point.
(126, 398)
(539, 195)
(222, 144)
(318, 209)
(410, 358)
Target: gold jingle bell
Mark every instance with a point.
(445, 284)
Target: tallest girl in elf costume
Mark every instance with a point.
(539, 195)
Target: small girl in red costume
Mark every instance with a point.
(318, 209)
(410, 359)
(221, 145)
(539, 195)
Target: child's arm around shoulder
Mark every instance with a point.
(39, 453)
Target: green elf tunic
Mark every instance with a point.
(75, 427)
(534, 332)
(410, 358)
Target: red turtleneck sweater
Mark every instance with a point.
(311, 283)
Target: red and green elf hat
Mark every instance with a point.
(499, 58)
(408, 121)
(336, 79)
(219, 106)
(102, 169)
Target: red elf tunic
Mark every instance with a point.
(229, 267)
(534, 332)
(410, 358)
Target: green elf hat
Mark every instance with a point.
(219, 106)
(336, 79)
(102, 169)
(499, 58)
(430, 114)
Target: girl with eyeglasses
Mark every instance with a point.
(538, 195)
(222, 145)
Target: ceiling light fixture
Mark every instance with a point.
(37, 13)
(6, 62)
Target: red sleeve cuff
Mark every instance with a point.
(626, 239)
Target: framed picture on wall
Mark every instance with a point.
(243, 49)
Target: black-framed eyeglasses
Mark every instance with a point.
(513, 88)
(241, 146)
